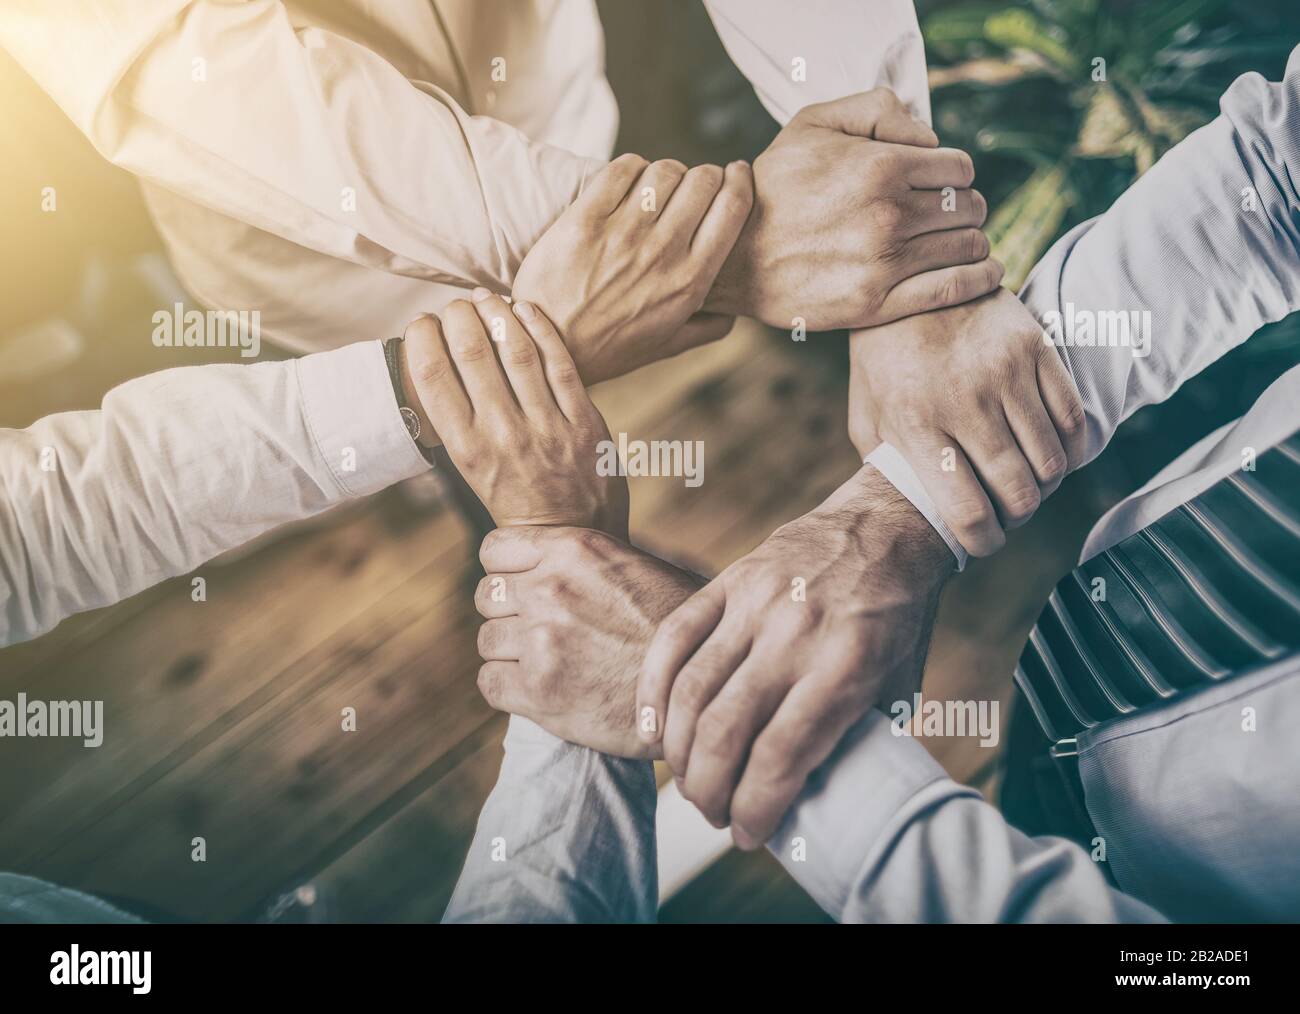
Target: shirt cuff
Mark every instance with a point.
(351, 412)
(894, 467)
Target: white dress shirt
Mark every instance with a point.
(343, 166)
(181, 465)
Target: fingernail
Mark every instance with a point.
(479, 294)
(649, 722)
(743, 838)
(527, 311)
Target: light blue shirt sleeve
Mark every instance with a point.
(1204, 249)
(882, 834)
(566, 835)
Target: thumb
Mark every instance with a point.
(866, 114)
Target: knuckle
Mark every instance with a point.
(470, 350)
(424, 326)
(489, 684)
(430, 372)
(770, 758)
(1053, 467)
(886, 215)
(705, 176)
(690, 692)
(1071, 423)
(717, 735)
(971, 518)
(980, 205)
(1020, 501)
(886, 164)
(949, 291)
(976, 245)
(965, 166)
(669, 167)
(519, 353)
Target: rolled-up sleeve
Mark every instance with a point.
(297, 131)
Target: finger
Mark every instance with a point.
(936, 210)
(960, 499)
(1034, 431)
(805, 729)
(1001, 467)
(435, 378)
(726, 730)
(502, 686)
(1064, 405)
(722, 223)
(475, 361)
(933, 290)
(561, 372)
(518, 356)
(936, 168)
(651, 193)
(516, 549)
(681, 632)
(496, 596)
(701, 678)
(604, 193)
(936, 250)
(690, 202)
(501, 640)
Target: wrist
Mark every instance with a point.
(870, 506)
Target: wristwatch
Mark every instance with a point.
(410, 418)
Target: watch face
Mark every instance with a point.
(412, 422)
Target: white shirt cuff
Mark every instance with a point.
(894, 467)
(351, 413)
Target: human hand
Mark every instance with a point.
(978, 403)
(624, 271)
(752, 682)
(852, 225)
(569, 613)
(513, 414)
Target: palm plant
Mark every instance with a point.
(1063, 103)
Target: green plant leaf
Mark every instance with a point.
(1024, 225)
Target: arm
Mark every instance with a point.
(567, 833)
(283, 119)
(878, 833)
(946, 418)
(1207, 243)
(181, 465)
(881, 834)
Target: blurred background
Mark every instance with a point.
(222, 715)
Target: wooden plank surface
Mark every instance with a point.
(223, 717)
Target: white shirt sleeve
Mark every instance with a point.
(179, 466)
(236, 108)
(881, 834)
(1204, 249)
(798, 54)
